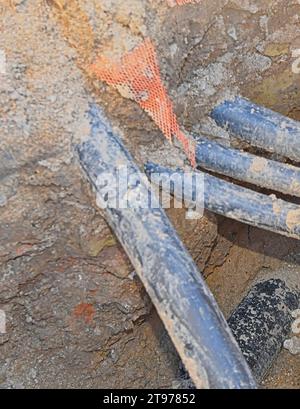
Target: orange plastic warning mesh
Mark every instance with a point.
(137, 77)
(173, 3)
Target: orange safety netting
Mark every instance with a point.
(173, 3)
(137, 77)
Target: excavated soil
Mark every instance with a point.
(77, 316)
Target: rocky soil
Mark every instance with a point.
(77, 316)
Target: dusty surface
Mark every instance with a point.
(76, 315)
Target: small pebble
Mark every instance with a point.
(3, 200)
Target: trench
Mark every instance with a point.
(117, 338)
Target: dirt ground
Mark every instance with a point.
(77, 316)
